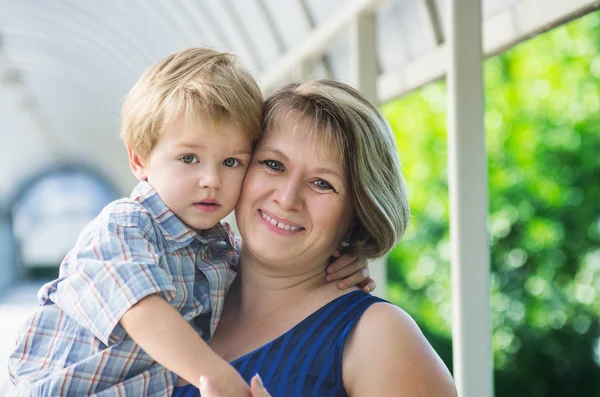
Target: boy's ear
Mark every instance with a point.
(137, 165)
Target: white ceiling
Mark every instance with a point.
(65, 65)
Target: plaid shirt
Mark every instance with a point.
(73, 344)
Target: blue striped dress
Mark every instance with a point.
(306, 360)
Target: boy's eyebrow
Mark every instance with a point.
(242, 151)
(191, 145)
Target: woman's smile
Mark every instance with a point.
(279, 225)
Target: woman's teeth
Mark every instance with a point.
(280, 225)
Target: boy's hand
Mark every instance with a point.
(256, 387)
(227, 384)
(350, 271)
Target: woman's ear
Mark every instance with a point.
(347, 239)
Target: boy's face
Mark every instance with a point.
(197, 168)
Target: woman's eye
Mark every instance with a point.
(231, 162)
(189, 159)
(273, 165)
(321, 184)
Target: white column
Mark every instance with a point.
(363, 72)
(363, 54)
(467, 180)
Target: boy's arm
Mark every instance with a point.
(165, 335)
(107, 279)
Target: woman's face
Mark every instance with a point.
(295, 204)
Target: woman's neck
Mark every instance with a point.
(263, 289)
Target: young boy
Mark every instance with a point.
(118, 320)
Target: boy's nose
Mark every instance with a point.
(210, 179)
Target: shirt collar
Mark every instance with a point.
(173, 228)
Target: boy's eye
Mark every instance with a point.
(189, 159)
(231, 162)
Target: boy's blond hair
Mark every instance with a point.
(195, 82)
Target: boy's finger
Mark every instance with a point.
(257, 388)
(368, 285)
(346, 271)
(340, 263)
(354, 279)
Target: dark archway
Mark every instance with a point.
(46, 214)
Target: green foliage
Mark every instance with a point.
(543, 141)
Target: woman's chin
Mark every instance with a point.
(269, 249)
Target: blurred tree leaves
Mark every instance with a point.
(543, 141)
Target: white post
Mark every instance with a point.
(363, 54)
(467, 180)
(363, 71)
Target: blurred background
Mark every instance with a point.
(543, 145)
(66, 65)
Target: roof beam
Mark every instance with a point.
(433, 18)
(311, 22)
(281, 47)
(244, 34)
(206, 17)
(500, 32)
(317, 42)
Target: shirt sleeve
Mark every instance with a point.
(107, 275)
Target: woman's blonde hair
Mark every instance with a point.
(344, 121)
(196, 82)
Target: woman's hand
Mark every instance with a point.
(256, 387)
(350, 271)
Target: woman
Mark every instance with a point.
(325, 176)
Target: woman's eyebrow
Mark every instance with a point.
(323, 170)
(275, 151)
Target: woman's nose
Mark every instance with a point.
(288, 196)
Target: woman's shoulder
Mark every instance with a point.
(382, 316)
(387, 324)
(388, 352)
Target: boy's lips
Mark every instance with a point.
(209, 201)
(207, 205)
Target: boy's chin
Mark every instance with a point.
(203, 224)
